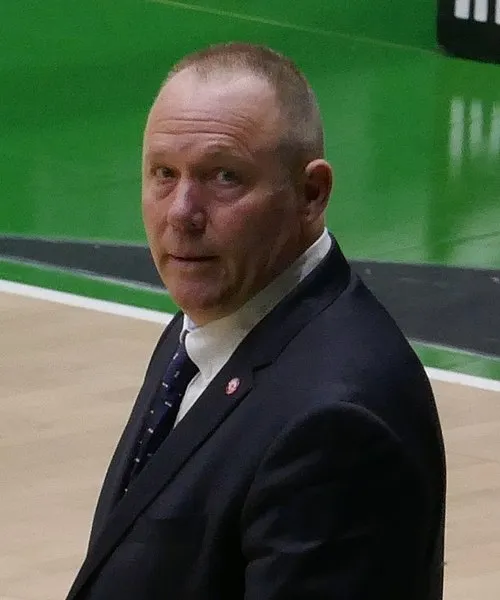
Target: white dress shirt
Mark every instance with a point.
(211, 346)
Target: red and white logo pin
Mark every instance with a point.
(232, 386)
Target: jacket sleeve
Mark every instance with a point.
(338, 510)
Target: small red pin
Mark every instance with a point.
(232, 386)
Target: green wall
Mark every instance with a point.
(399, 21)
(414, 136)
(77, 78)
(36, 33)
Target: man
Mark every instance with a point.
(285, 444)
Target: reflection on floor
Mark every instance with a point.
(55, 411)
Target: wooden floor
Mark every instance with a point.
(68, 377)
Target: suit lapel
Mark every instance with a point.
(210, 410)
(112, 486)
(261, 347)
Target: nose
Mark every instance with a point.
(185, 211)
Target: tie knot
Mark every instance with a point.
(181, 370)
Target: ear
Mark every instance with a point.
(318, 185)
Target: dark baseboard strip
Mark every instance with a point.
(449, 306)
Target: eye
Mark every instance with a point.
(163, 173)
(227, 177)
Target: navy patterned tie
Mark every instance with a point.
(164, 409)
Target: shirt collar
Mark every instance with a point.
(211, 346)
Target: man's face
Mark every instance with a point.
(221, 215)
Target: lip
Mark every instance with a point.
(191, 259)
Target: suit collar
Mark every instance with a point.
(313, 295)
(261, 347)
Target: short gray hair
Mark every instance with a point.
(303, 138)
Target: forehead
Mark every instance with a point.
(223, 111)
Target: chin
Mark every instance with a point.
(197, 304)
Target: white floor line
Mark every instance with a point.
(480, 383)
(133, 312)
(113, 308)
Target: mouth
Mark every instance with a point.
(191, 259)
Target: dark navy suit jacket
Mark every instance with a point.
(321, 477)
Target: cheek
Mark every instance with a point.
(151, 216)
(234, 230)
(248, 238)
(147, 208)
(263, 225)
